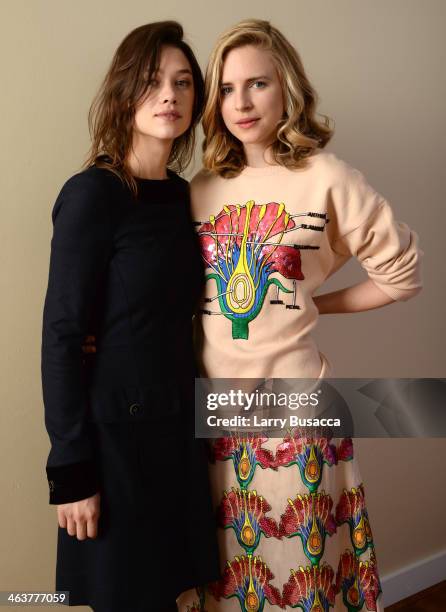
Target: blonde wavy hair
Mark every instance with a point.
(299, 133)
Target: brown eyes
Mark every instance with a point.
(181, 83)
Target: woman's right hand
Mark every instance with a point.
(80, 518)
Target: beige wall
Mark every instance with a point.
(379, 68)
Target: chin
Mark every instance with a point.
(250, 141)
(166, 134)
(173, 132)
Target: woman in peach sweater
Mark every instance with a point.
(276, 217)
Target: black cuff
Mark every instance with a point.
(70, 483)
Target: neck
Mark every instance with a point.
(148, 156)
(258, 155)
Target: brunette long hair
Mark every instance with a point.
(298, 134)
(111, 115)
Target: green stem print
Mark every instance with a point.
(240, 324)
(243, 247)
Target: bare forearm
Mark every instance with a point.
(360, 297)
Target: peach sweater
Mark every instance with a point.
(270, 237)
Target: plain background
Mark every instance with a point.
(378, 66)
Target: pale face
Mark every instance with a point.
(166, 110)
(251, 96)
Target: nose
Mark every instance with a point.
(167, 94)
(242, 100)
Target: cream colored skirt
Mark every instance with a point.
(293, 528)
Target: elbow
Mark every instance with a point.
(408, 294)
(400, 278)
(403, 295)
(399, 294)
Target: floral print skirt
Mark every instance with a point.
(293, 528)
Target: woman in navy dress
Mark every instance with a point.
(128, 478)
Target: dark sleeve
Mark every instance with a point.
(80, 251)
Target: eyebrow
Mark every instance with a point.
(181, 71)
(256, 78)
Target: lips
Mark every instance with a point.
(169, 115)
(247, 122)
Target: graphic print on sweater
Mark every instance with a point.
(243, 247)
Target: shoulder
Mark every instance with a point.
(204, 181)
(205, 178)
(85, 195)
(351, 200)
(332, 169)
(344, 180)
(91, 181)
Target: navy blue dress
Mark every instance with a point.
(127, 270)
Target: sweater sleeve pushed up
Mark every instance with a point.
(366, 228)
(80, 250)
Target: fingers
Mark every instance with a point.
(94, 509)
(61, 517)
(92, 517)
(80, 518)
(71, 527)
(81, 529)
(92, 528)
